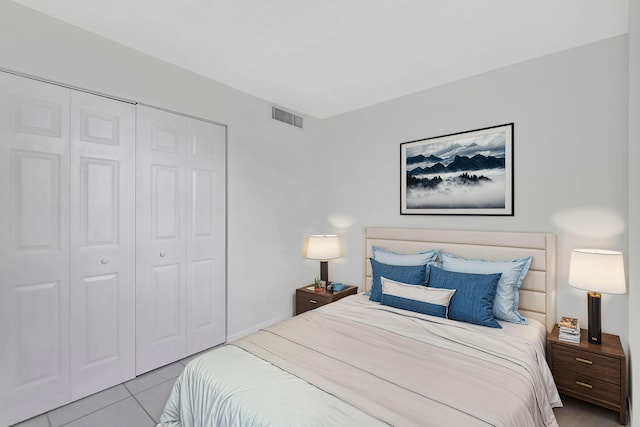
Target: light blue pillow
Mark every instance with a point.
(410, 274)
(419, 299)
(473, 300)
(394, 258)
(505, 306)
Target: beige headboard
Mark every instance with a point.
(538, 290)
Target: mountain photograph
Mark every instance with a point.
(461, 173)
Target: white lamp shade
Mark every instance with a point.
(597, 270)
(323, 247)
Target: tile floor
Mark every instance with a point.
(135, 403)
(140, 402)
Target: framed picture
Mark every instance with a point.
(466, 173)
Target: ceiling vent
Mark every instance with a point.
(286, 117)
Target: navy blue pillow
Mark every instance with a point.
(473, 300)
(409, 274)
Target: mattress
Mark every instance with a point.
(354, 362)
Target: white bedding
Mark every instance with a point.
(355, 363)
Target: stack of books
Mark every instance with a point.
(569, 330)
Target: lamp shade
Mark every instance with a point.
(597, 270)
(323, 247)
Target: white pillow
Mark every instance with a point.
(417, 298)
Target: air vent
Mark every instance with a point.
(286, 117)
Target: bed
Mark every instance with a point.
(359, 362)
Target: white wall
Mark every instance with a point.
(634, 206)
(270, 201)
(570, 114)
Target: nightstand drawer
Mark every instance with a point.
(590, 387)
(586, 364)
(305, 302)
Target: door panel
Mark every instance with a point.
(160, 238)
(203, 203)
(167, 288)
(203, 275)
(205, 243)
(99, 127)
(36, 200)
(100, 219)
(34, 254)
(36, 307)
(100, 315)
(102, 243)
(165, 202)
(36, 116)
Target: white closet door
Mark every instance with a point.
(160, 238)
(102, 243)
(34, 254)
(205, 262)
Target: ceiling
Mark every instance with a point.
(326, 57)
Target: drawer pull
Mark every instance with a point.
(312, 301)
(581, 384)
(588, 362)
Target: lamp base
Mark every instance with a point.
(595, 328)
(324, 271)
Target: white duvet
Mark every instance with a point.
(357, 363)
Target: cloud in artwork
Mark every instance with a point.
(489, 144)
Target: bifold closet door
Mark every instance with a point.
(34, 247)
(160, 238)
(67, 217)
(180, 237)
(102, 243)
(206, 236)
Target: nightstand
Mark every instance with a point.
(595, 373)
(309, 299)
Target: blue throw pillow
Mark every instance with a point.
(473, 300)
(505, 305)
(419, 299)
(410, 274)
(393, 258)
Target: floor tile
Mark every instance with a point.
(89, 404)
(126, 413)
(40, 421)
(154, 399)
(155, 377)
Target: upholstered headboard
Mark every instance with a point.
(538, 290)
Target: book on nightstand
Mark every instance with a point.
(569, 329)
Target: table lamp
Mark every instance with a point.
(323, 247)
(597, 271)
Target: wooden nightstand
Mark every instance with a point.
(309, 299)
(595, 373)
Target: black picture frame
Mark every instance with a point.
(463, 173)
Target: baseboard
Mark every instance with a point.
(255, 328)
